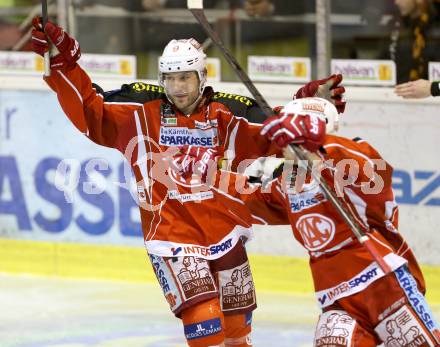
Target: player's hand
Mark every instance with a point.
(286, 129)
(199, 161)
(68, 48)
(40, 44)
(329, 88)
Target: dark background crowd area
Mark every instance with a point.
(361, 29)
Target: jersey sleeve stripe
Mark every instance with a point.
(230, 151)
(72, 86)
(122, 103)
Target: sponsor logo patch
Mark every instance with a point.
(176, 251)
(335, 328)
(167, 115)
(160, 274)
(402, 329)
(222, 247)
(141, 194)
(316, 230)
(203, 329)
(194, 277)
(202, 125)
(359, 282)
(169, 121)
(416, 299)
(165, 280)
(391, 308)
(242, 99)
(305, 200)
(314, 107)
(180, 136)
(141, 87)
(174, 194)
(237, 289)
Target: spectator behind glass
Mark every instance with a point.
(9, 35)
(418, 89)
(411, 47)
(266, 8)
(259, 8)
(10, 32)
(151, 5)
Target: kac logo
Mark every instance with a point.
(316, 230)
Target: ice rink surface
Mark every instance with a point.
(57, 312)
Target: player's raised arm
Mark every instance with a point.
(104, 123)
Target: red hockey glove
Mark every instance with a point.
(286, 129)
(328, 88)
(39, 39)
(200, 161)
(68, 47)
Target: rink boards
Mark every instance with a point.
(99, 235)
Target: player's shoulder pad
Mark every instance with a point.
(240, 106)
(139, 92)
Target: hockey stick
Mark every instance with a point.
(46, 54)
(196, 8)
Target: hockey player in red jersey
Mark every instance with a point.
(194, 236)
(361, 305)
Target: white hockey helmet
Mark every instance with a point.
(183, 55)
(315, 106)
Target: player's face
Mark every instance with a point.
(406, 7)
(182, 88)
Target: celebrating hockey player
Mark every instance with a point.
(361, 305)
(195, 237)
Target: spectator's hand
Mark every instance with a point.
(258, 8)
(285, 129)
(68, 48)
(200, 161)
(329, 88)
(414, 89)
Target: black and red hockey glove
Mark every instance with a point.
(285, 129)
(329, 88)
(68, 47)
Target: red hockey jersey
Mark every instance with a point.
(340, 265)
(178, 217)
